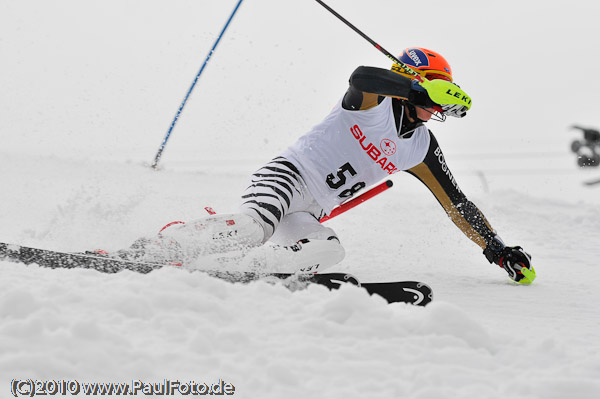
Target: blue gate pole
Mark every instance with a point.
(210, 53)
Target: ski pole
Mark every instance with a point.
(440, 91)
(402, 65)
(210, 53)
(358, 200)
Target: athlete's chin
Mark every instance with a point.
(424, 114)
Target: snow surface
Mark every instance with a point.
(88, 92)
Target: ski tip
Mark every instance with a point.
(423, 294)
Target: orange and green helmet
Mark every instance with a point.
(427, 63)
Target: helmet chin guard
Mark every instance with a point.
(412, 110)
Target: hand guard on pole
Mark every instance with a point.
(452, 100)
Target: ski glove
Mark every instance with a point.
(514, 260)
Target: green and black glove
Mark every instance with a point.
(514, 260)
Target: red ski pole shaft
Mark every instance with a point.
(358, 200)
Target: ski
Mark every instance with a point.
(414, 292)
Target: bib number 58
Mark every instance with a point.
(339, 179)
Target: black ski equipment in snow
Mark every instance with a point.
(413, 292)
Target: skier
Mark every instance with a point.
(376, 130)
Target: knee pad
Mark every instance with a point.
(216, 233)
(300, 225)
(306, 256)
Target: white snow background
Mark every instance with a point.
(87, 92)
